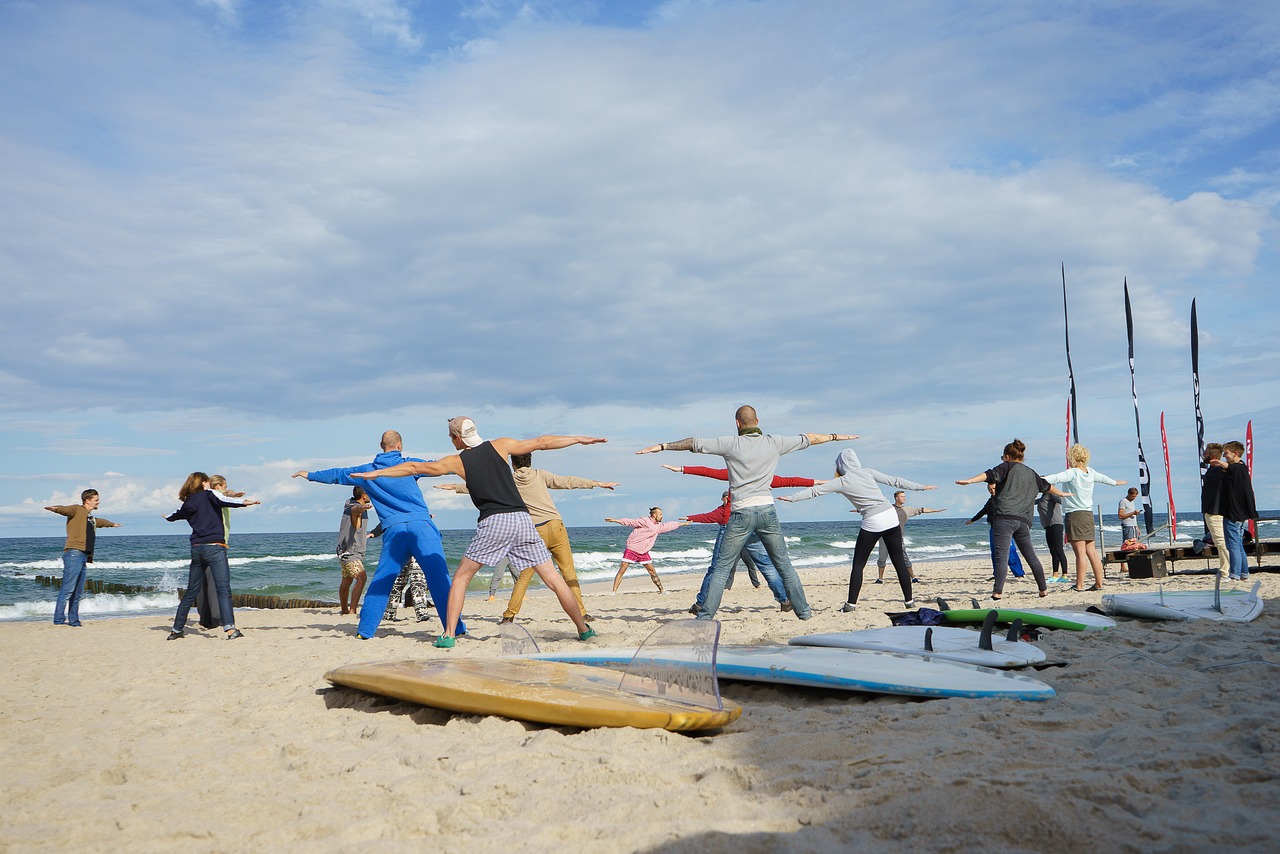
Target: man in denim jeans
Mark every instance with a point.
(1238, 506)
(751, 457)
(76, 554)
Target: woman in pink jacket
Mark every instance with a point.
(641, 540)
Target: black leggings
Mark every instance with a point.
(862, 552)
(1053, 539)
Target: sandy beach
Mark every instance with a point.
(1162, 736)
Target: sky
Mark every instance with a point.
(246, 237)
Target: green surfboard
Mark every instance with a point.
(1047, 618)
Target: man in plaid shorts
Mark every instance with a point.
(504, 528)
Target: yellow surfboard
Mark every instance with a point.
(547, 692)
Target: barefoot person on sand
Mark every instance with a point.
(353, 535)
(880, 522)
(504, 528)
(904, 513)
(646, 533)
(751, 457)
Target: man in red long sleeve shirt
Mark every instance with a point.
(753, 551)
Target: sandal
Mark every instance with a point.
(1079, 589)
(1044, 593)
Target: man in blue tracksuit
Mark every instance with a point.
(407, 530)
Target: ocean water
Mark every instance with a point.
(304, 566)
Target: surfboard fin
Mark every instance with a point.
(1015, 632)
(928, 640)
(516, 640)
(977, 606)
(988, 625)
(650, 673)
(943, 604)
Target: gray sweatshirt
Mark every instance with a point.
(1017, 486)
(351, 542)
(751, 460)
(858, 484)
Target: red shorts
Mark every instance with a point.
(632, 557)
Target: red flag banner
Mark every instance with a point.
(1067, 444)
(1168, 480)
(1248, 461)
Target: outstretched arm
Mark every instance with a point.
(700, 471)
(823, 438)
(506, 446)
(682, 445)
(451, 464)
(977, 478)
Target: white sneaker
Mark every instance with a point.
(847, 607)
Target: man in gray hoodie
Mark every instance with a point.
(751, 457)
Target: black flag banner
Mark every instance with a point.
(1144, 474)
(1073, 416)
(1195, 388)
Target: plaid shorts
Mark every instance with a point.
(509, 535)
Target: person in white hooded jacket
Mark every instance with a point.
(861, 485)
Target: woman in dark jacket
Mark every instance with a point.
(202, 508)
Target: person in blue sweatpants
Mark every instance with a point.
(407, 530)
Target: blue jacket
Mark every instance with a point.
(396, 500)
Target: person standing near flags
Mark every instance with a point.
(1127, 511)
(1238, 506)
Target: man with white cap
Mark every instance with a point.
(751, 457)
(504, 528)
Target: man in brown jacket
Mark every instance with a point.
(76, 554)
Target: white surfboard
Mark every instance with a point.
(1236, 606)
(842, 669)
(948, 644)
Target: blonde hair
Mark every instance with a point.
(195, 482)
(218, 481)
(1078, 456)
